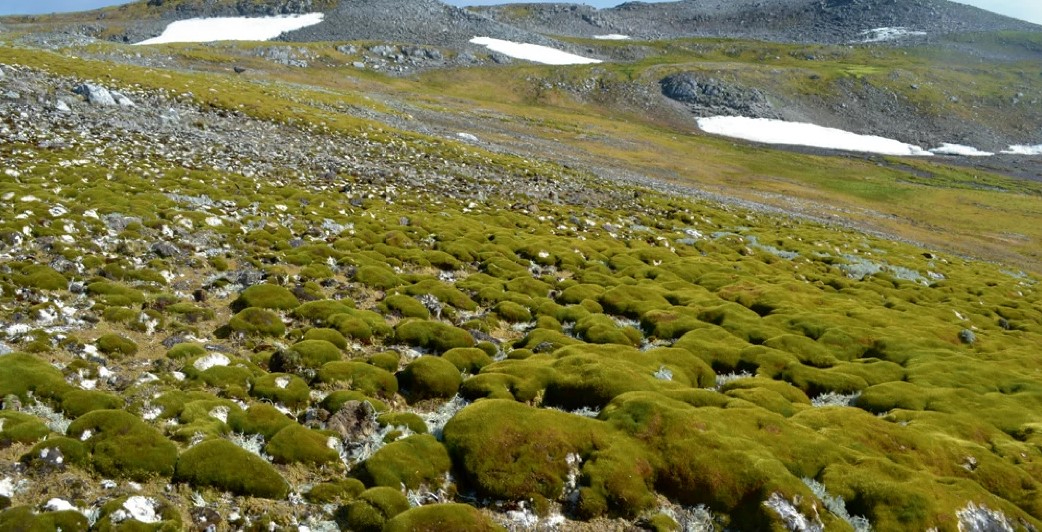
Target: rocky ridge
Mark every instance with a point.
(804, 21)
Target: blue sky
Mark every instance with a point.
(1026, 9)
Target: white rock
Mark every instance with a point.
(58, 505)
(211, 360)
(6, 487)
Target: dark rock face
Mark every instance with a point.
(710, 97)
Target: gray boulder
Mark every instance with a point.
(95, 94)
(121, 99)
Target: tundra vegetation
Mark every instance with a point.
(431, 338)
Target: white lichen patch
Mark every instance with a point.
(282, 382)
(138, 508)
(220, 413)
(790, 514)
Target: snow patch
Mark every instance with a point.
(612, 37)
(1024, 150)
(770, 131)
(959, 149)
(233, 28)
(211, 360)
(889, 34)
(532, 52)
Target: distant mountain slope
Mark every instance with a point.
(821, 21)
(407, 21)
(413, 21)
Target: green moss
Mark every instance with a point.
(282, 388)
(79, 402)
(467, 359)
(513, 312)
(601, 329)
(113, 517)
(319, 312)
(411, 462)
(40, 276)
(433, 335)
(334, 401)
(123, 446)
(73, 452)
(314, 353)
(296, 444)
(21, 518)
(511, 451)
(266, 296)
(329, 335)
(386, 360)
(191, 313)
(115, 294)
(351, 326)
(332, 492)
(373, 508)
(379, 277)
(261, 418)
(429, 378)
(436, 517)
(21, 373)
(222, 465)
(257, 322)
(116, 345)
(185, 351)
(633, 300)
(360, 376)
(410, 420)
(404, 306)
(21, 428)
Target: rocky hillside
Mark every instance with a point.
(804, 21)
(271, 286)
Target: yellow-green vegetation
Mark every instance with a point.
(621, 349)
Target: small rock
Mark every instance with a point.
(62, 107)
(95, 94)
(12, 95)
(967, 336)
(122, 100)
(355, 420)
(238, 69)
(358, 64)
(166, 250)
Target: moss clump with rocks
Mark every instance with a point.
(222, 465)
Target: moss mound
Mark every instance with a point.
(411, 462)
(116, 345)
(373, 508)
(429, 378)
(296, 444)
(123, 446)
(268, 296)
(370, 380)
(257, 322)
(433, 335)
(438, 517)
(225, 466)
